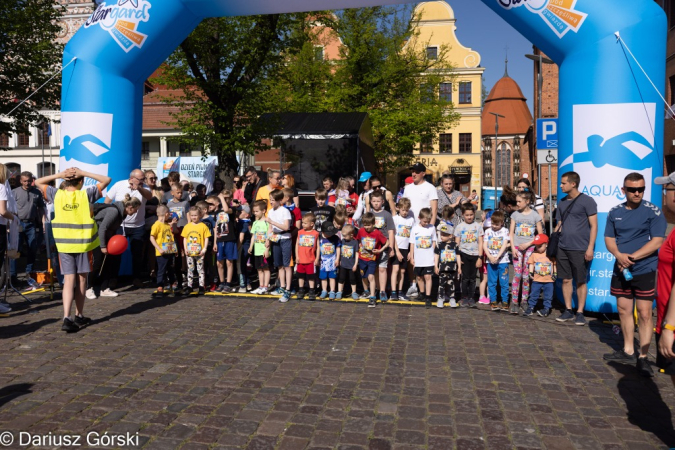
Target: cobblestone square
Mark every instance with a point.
(231, 372)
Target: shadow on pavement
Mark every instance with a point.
(646, 408)
(138, 308)
(9, 393)
(21, 329)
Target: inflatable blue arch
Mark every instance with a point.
(603, 93)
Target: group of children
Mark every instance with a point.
(325, 248)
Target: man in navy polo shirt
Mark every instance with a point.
(634, 232)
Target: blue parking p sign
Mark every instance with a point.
(547, 134)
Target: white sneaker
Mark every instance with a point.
(32, 283)
(109, 293)
(412, 291)
(256, 291)
(90, 294)
(453, 302)
(4, 308)
(263, 291)
(439, 302)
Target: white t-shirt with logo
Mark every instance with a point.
(403, 227)
(496, 240)
(424, 239)
(280, 215)
(420, 196)
(117, 192)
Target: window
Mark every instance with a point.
(4, 140)
(432, 52)
(145, 151)
(445, 143)
(318, 53)
(427, 146)
(503, 165)
(465, 92)
(43, 135)
(45, 169)
(465, 142)
(426, 92)
(445, 92)
(185, 150)
(22, 140)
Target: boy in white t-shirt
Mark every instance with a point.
(496, 243)
(422, 248)
(279, 239)
(403, 223)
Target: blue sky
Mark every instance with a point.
(479, 28)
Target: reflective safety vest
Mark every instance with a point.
(74, 229)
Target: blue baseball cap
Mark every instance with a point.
(365, 176)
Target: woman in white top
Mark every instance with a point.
(525, 185)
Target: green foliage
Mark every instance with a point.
(28, 58)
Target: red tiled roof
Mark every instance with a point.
(506, 99)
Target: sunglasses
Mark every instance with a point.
(634, 190)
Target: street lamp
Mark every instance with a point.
(540, 82)
(497, 116)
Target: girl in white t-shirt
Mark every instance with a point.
(422, 253)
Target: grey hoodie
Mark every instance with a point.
(108, 219)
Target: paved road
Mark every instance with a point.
(216, 372)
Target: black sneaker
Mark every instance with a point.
(528, 312)
(187, 290)
(644, 368)
(579, 319)
(427, 300)
(227, 289)
(394, 296)
(201, 290)
(312, 295)
(157, 294)
(301, 294)
(544, 312)
(464, 303)
(565, 316)
(82, 321)
(69, 326)
(621, 356)
(372, 302)
(173, 292)
(472, 303)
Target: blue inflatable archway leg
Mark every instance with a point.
(610, 121)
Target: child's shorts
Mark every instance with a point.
(421, 271)
(383, 261)
(394, 260)
(367, 268)
(308, 269)
(227, 251)
(282, 253)
(260, 263)
(325, 274)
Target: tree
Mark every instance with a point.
(221, 70)
(29, 56)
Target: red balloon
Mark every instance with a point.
(117, 245)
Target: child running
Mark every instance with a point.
(524, 222)
(496, 245)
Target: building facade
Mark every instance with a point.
(456, 150)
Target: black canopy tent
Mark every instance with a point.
(315, 145)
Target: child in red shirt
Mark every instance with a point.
(371, 244)
(306, 255)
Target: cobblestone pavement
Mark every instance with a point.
(229, 372)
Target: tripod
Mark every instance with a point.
(7, 282)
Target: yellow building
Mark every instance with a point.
(457, 150)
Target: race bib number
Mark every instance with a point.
(524, 230)
(380, 222)
(368, 243)
(169, 247)
(423, 241)
(347, 252)
(327, 248)
(469, 237)
(403, 231)
(259, 237)
(341, 201)
(275, 237)
(543, 269)
(307, 240)
(448, 256)
(495, 243)
(194, 248)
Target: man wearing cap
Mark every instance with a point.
(634, 232)
(447, 195)
(421, 193)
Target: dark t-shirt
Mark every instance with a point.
(226, 227)
(447, 256)
(322, 213)
(251, 190)
(384, 222)
(576, 230)
(244, 226)
(349, 251)
(632, 229)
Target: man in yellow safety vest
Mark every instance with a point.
(75, 235)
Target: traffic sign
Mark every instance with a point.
(547, 134)
(545, 157)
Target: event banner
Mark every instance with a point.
(196, 169)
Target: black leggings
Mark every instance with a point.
(468, 275)
(345, 274)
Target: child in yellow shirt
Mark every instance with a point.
(195, 242)
(161, 237)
